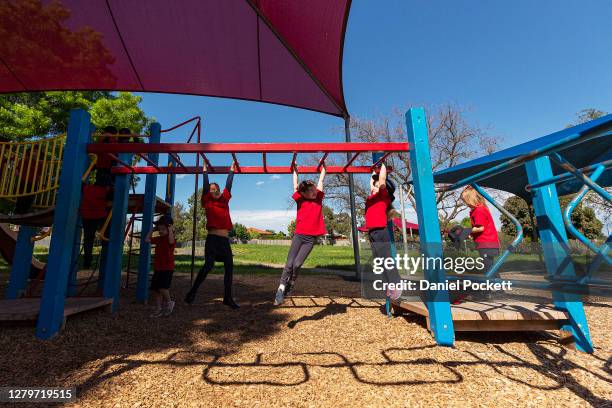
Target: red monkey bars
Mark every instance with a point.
(202, 149)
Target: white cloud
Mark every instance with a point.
(259, 183)
(277, 220)
(275, 177)
(180, 176)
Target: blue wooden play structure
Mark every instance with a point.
(577, 158)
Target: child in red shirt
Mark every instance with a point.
(309, 225)
(94, 209)
(217, 246)
(163, 264)
(377, 207)
(484, 232)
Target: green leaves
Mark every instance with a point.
(39, 114)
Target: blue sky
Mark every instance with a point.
(524, 68)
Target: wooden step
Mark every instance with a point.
(493, 315)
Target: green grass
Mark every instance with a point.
(322, 256)
(252, 259)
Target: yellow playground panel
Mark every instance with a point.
(31, 168)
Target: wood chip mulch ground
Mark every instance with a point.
(325, 347)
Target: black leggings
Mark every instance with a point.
(380, 243)
(217, 248)
(301, 245)
(90, 226)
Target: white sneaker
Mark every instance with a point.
(280, 297)
(169, 308)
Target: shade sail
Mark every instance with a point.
(276, 51)
(515, 180)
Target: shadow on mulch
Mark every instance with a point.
(114, 344)
(96, 335)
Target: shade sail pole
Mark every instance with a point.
(354, 233)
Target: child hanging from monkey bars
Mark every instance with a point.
(217, 246)
(309, 225)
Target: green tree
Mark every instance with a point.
(336, 223)
(200, 215)
(521, 211)
(583, 218)
(182, 223)
(240, 231)
(122, 111)
(26, 115)
(291, 228)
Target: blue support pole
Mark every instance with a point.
(171, 183)
(144, 258)
(114, 256)
(438, 305)
(74, 164)
(22, 262)
(554, 245)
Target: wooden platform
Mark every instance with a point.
(28, 308)
(493, 316)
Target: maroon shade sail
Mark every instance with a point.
(287, 52)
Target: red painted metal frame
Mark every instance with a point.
(264, 149)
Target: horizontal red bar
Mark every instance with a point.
(245, 147)
(243, 170)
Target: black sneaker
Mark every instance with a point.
(230, 302)
(189, 297)
(288, 288)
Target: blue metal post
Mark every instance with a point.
(22, 262)
(171, 187)
(144, 258)
(554, 243)
(74, 164)
(114, 257)
(438, 305)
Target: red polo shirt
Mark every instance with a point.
(93, 202)
(376, 206)
(309, 220)
(217, 210)
(163, 260)
(481, 217)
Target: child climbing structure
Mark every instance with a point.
(62, 212)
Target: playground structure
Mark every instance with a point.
(289, 54)
(565, 314)
(78, 155)
(565, 286)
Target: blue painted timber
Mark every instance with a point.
(554, 246)
(74, 164)
(441, 322)
(22, 262)
(171, 187)
(114, 257)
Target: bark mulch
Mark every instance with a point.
(325, 347)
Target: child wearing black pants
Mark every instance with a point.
(217, 246)
(163, 265)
